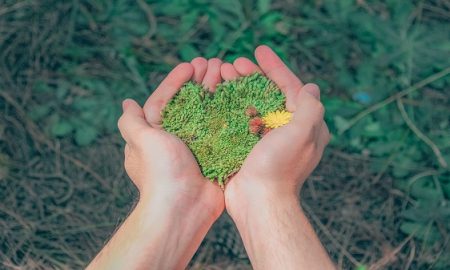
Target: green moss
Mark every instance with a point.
(215, 126)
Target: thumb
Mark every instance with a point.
(132, 107)
(132, 120)
(309, 109)
(312, 89)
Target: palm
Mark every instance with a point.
(278, 154)
(177, 160)
(272, 156)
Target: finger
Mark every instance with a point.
(212, 76)
(228, 72)
(165, 91)
(278, 72)
(132, 120)
(324, 136)
(200, 65)
(245, 67)
(309, 109)
(312, 89)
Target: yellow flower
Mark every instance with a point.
(277, 119)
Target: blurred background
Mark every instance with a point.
(380, 197)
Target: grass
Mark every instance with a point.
(379, 199)
(208, 124)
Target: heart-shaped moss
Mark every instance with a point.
(221, 128)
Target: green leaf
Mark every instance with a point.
(446, 189)
(263, 6)
(427, 233)
(188, 52)
(61, 128)
(425, 189)
(373, 130)
(85, 104)
(38, 112)
(85, 135)
(404, 166)
(340, 122)
(41, 86)
(62, 90)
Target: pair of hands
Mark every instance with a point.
(164, 169)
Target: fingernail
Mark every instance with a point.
(312, 89)
(125, 104)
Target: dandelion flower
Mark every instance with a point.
(277, 119)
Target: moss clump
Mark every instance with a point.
(215, 126)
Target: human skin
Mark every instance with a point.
(262, 198)
(176, 205)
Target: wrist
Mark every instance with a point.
(243, 200)
(161, 227)
(184, 198)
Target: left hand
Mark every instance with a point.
(159, 163)
(177, 205)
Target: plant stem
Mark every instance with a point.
(421, 135)
(392, 98)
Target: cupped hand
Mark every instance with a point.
(159, 163)
(282, 160)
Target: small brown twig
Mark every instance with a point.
(421, 135)
(333, 240)
(40, 137)
(383, 262)
(393, 98)
(150, 18)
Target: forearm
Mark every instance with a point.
(156, 235)
(277, 235)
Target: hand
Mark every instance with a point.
(262, 198)
(177, 205)
(159, 163)
(280, 163)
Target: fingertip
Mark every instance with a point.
(131, 106)
(245, 66)
(184, 70)
(214, 61)
(200, 65)
(199, 61)
(262, 50)
(126, 103)
(239, 60)
(228, 72)
(213, 76)
(312, 89)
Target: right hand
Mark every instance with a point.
(279, 164)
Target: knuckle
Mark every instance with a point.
(309, 134)
(312, 86)
(310, 147)
(121, 121)
(313, 106)
(153, 111)
(320, 108)
(312, 133)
